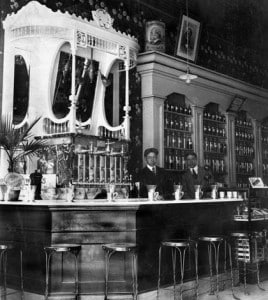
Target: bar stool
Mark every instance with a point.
(213, 243)
(61, 248)
(178, 246)
(4, 249)
(131, 248)
(247, 251)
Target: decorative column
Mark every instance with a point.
(153, 125)
(198, 139)
(127, 107)
(73, 97)
(258, 147)
(231, 158)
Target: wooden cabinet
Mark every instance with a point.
(178, 130)
(244, 149)
(214, 145)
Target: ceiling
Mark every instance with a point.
(242, 24)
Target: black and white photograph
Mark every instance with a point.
(133, 150)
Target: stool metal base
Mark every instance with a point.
(110, 249)
(61, 248)
(213, 244)
(244, 238)
(4, 248)
(179, 246)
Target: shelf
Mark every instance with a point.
(215, 136)
(214, 121)
(215, 153)
(178, 113)
(251, 220)
(244, 127)
(181, 149)
(179, 130)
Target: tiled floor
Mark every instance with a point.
(254, 294)
(167, 294)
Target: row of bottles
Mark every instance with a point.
(217, 164)
(179, 140)
(242, 149)
(174, 160)
(214, 145)
(243, 121)
(265, 168)
(264, 139)
(217, 116)
(178, 122)
(178, 108)
(214, 129)
(244, 134)
(245, 168)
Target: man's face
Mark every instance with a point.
(191, 161)
(151, 159)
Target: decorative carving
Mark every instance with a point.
(102, 18)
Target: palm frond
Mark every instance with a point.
(18, 144)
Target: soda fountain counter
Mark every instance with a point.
(32, 225)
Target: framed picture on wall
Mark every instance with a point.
(188, 38)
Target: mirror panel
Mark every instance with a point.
(21, 89)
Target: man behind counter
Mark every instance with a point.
(195, 175)
(154, 175)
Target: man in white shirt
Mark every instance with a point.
(195, 175)
(153, 175)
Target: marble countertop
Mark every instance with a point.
(117, 202)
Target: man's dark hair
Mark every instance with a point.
(149, 150)
(190, 153)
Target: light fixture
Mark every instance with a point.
(187, 77)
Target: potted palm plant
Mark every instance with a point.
(17, 144)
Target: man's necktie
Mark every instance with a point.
(154, 170)
(194, 173)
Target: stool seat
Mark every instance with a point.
(6, 246)
(239, 234)
(211, 238)
(176, 243)
(63, 247)
(120, 247)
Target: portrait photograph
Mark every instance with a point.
(187, 44)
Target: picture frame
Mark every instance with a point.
(193, 27)
(256, 182)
